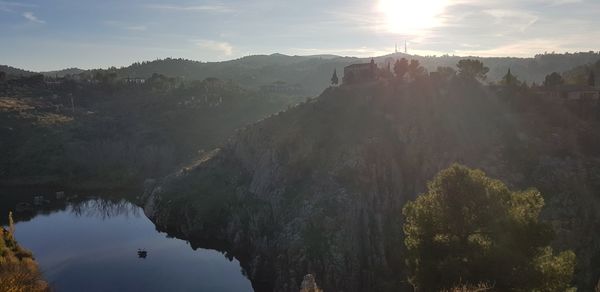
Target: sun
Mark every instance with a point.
(411, 16)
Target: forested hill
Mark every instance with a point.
(314, 72)
(15, 71)
(80, 134)
(309, 75)
(320, 188)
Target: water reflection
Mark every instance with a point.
(107, 244)
(104, 209)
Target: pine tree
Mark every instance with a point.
(510, 79)
(334, 79)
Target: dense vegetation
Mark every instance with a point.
(18, 269)
(470, 228)
(109, 133)
(276, 194)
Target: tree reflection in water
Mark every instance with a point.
(104, 209)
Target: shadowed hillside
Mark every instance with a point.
(113, 134)
(320, 188)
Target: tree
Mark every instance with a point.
(553, 79)
(401, 68)
(510, 80)
(468, 228)
(446, 73)
(592, 79)
(472, 69)
(334, 79)
(415, 69)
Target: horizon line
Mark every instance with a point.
(334, 56)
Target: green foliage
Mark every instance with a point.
(472, 69)
(468, 228)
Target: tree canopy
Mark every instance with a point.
(468, 228)
(401, 68)
(510, 80)
(472, 69)
(554, 79)
(334, 79)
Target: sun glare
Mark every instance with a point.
(411, 16)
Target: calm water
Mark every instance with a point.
(92, 246)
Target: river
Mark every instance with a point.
(98, 244)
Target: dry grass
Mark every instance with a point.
(471, 288)
(8, 104)
(39, 113)
(18, 270)
(21, 276)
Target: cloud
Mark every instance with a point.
(125, 26)
(8, 6)
(223, 48)
(31, 17)
(191, 8)
(137, 28)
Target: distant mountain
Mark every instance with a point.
(63, 72)
(15, 71)
(311, 74)
(314, 72)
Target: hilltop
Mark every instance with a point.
(311, 73)
(320, 188)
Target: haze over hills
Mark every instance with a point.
(312, 73)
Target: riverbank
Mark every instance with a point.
(18, 268)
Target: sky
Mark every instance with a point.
(44, 35)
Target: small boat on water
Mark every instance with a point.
(142, 253)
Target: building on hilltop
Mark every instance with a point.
(358, 73)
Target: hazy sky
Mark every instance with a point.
(52, 34)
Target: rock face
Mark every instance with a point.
(320, 188)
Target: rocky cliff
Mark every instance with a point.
(319, 188)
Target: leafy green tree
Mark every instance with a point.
(472, 69)
(468, 228)
(401, 68)
(553, 79)
(334, 79)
